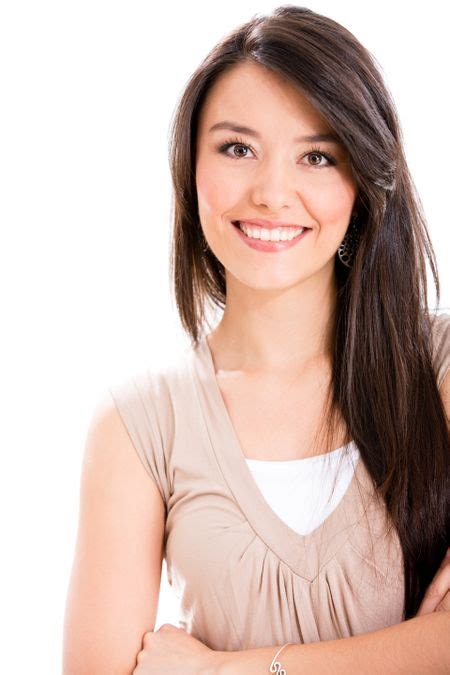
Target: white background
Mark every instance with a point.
(88, 90)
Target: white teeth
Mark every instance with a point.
(277, 234)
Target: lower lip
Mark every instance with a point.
(269, 246)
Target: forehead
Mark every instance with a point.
(256, 96)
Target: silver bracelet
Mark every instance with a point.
(275, 666)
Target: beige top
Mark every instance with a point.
(244, 578)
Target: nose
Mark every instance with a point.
(273, 184)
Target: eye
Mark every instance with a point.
(317, 152)
(234, 142)
(313, 152)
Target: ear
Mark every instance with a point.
(444, 390)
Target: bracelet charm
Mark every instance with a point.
(275, 666)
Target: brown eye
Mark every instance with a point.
(231, 145)
(243, 147)
(319, 155)
(315, 154)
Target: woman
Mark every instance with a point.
(326, 375)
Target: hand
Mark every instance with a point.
(173, 651)
(437, 595)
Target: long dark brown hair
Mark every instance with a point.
(383, 379)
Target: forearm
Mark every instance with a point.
(418, 646)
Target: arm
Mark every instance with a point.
(114, 586)
(418, 646)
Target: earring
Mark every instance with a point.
(204, 244)
(347, 249)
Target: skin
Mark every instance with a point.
(171, 648)
(278, 304)
(275, 321)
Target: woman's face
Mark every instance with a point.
(270, 174)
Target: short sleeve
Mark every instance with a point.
(134, 400)
(441, 345)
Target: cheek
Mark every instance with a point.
(332, 210)
(217, 191)
(331, 201)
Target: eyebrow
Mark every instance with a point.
(239, 129)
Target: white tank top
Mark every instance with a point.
(299, 490)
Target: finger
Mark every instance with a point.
(167, 626)
(444, 605)
(437, 590)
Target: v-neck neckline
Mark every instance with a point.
(299, 552)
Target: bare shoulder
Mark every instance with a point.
(110, 454)
(115, 579)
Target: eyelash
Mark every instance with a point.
(314, 150)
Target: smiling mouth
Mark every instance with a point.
(283, 233)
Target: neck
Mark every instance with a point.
(276, 329)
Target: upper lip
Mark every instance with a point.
(269, 224)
